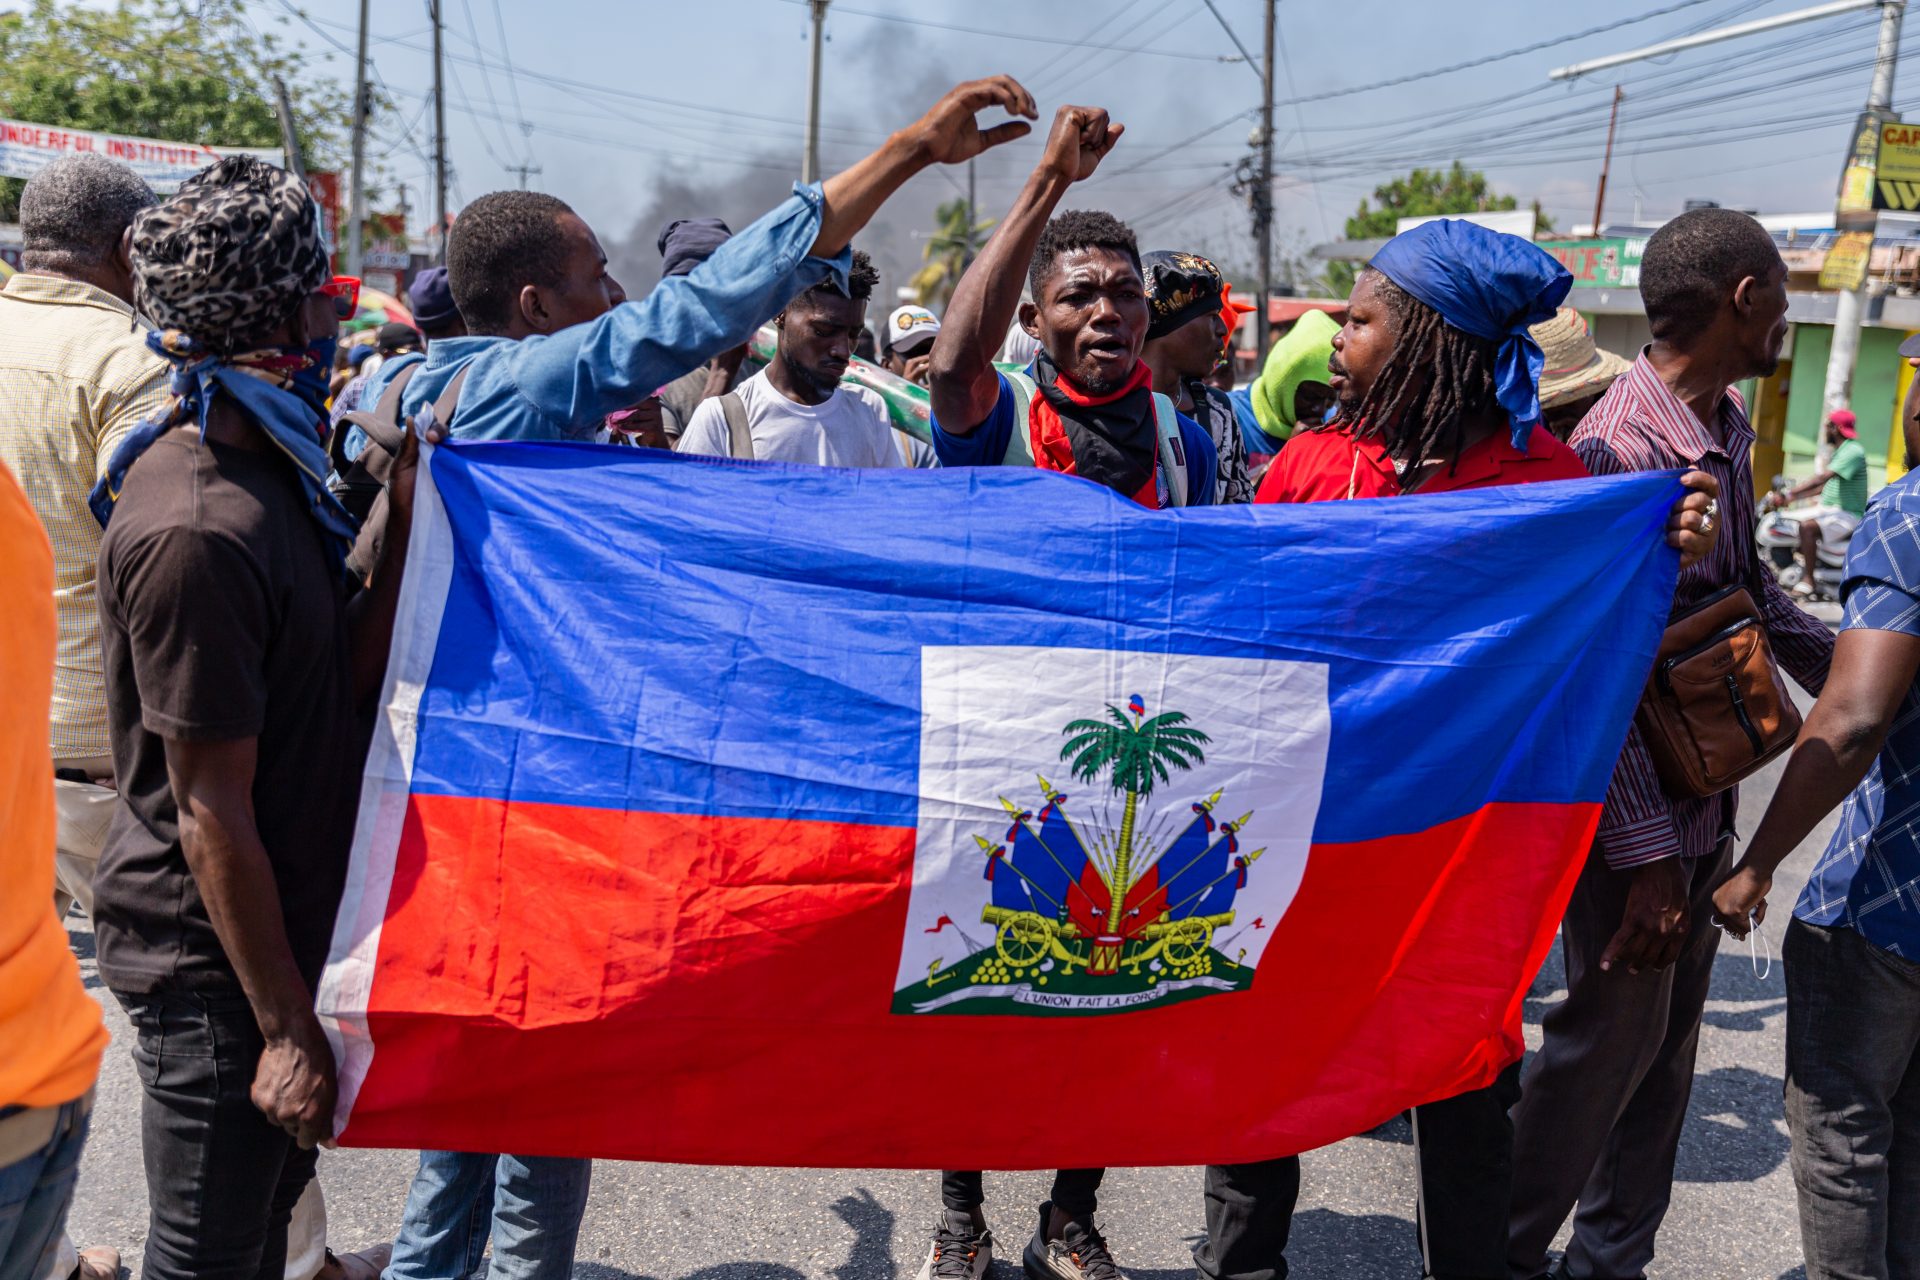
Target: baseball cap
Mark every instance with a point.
(1843, 420)
(909, 329)
(394, 335)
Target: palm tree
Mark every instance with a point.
(1136, 754)
(948, 250)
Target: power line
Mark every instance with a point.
(1026, 37)
(1221, 18)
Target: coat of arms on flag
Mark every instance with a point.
(1104, 831)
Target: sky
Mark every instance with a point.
(640, 111)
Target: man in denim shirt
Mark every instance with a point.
(1852, 949)
(553, 347)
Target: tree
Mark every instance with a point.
(1424, 193)
(949, 249)
(183, 72)
(1135, 754)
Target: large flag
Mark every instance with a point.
(738, 813)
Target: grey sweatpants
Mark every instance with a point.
(1602, 1102)
(1853, 1103)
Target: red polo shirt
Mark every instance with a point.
(1316, 466)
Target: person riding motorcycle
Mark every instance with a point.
(1843, 497)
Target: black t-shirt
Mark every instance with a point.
(222, 616)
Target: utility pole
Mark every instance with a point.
(439, 142)
(1850, 312)
(524, 170)
(1606, 162)
(357, 192)
(966, 253)
(1263, 201)
(810, 163)
(283, 107)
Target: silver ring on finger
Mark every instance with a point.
(1706, 523)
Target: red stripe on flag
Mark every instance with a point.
(570, 981)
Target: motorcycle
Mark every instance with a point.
(1778, 540)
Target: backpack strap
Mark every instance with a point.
(450, 398)
(1020, 440)
(1173, 450)
(739, 436)
(381, 423)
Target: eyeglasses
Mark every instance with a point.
(345, 292)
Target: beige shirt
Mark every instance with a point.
(75, 377)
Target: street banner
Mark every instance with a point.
(738, 813)
(26, 149)
(1896, 176)
(1608, 263)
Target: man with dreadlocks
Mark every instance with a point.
(236, 665)
(1436, 381)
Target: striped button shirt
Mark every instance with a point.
(75, 377)
(1640, 425)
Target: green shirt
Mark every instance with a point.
(1848, 488)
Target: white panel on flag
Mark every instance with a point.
(1103, 830)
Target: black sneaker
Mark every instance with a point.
(1079, 1254)
(957, 1253)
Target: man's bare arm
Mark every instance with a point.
(213, 787)
(961, 376)
(948, 134)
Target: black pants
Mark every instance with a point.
(221, 1179)
(1076, 1192)
(1464, 1149)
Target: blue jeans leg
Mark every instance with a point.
(537, 1205)
(443, 1233)
(35, 1192)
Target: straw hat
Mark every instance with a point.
(1575, 367)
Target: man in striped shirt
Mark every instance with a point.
(1598, 1123)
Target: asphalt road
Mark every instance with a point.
(1733, 1214)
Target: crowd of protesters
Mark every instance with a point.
(205, 512)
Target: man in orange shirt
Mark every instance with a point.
(51, 1028)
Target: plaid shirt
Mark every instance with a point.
(75, 377)
(1869, 877)
(1640, 425)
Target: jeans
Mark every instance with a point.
(531, 1205)
(1075, 1191)
(222, 1179)
(39, 1164)
(1853, 1103)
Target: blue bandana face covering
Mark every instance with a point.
(283, 415)
(1491, 285)
(312, 383)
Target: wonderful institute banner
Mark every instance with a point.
(26, 149)
(737, 813)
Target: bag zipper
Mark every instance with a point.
(1740, 714)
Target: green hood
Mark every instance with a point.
(1299, 357)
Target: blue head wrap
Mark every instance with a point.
(1491, 285)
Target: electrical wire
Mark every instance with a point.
(1026, 36)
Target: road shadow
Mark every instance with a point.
(723, 1271)
(1734, 980)
(1733, 1132)
(1329, 1246)
(871, 1257)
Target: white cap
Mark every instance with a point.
(911, 328)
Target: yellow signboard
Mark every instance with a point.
(1846, 265)
(1897, 175)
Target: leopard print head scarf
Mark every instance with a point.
(230, 256)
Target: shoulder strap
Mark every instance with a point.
(381, 423)
(739, 437)
(450, 398)
(1020, 439)
(1173, 450)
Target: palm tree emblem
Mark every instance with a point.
(1136, 754)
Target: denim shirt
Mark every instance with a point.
(560, 386)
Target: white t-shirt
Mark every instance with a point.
(851, 429)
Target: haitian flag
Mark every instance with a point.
(737, 813)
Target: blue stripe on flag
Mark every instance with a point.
(631, 629)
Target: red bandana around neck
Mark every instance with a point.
(1053, 439)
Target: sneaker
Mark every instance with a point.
(957, 1253)
(1079, 1254)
